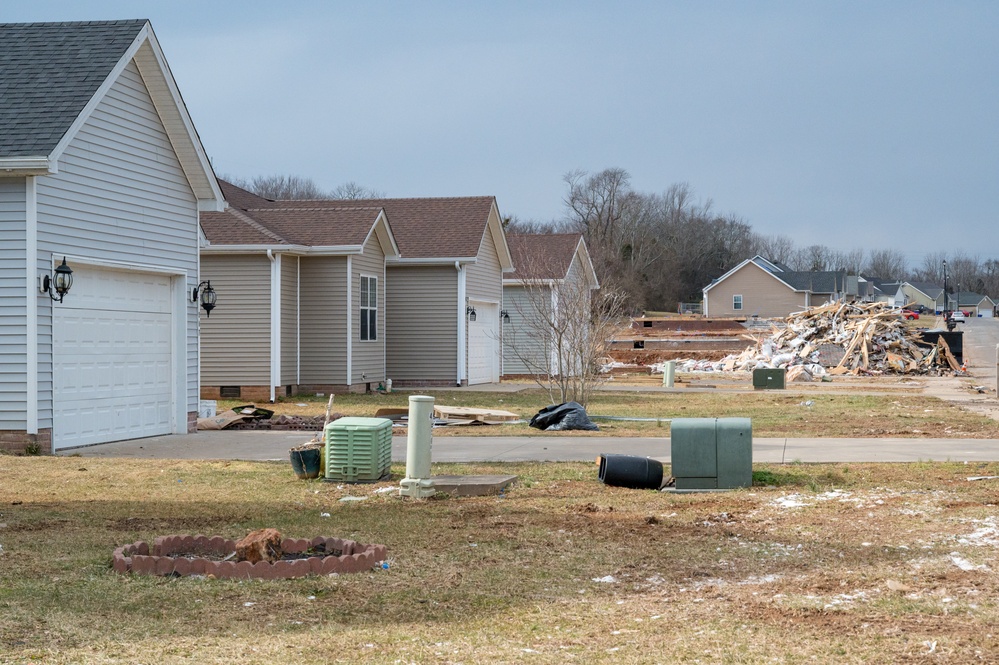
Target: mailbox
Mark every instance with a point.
(711, 453)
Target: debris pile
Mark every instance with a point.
(836, 339)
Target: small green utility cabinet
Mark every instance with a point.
(711, 453)
(769, 379)
(358, 450)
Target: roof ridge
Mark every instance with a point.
(322, 208)
(236, 212)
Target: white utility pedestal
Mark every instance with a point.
(417, 483)
(669, 370)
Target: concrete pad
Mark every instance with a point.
(472, 485)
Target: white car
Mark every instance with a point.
(957, 315)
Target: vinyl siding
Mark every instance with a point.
(13, 308)
(289, 320)
(762, 295)
(421, 337)
(235, 339)
(122, 196)
(484, 281)
(369, 356)
(323, 327)
(523, 346)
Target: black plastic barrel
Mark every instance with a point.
(640, 473)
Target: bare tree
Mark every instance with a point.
(886, 263)
(558, 330)
(776, 248)
(515, 224)
(283, 187)
(352, 191)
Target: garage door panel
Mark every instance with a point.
(113, 364)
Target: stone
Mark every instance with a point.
(259, 545)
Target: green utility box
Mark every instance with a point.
(769, 379)
(358, 450)
(711, 453)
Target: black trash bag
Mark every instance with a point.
(570, 415)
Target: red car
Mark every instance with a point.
(910, 315)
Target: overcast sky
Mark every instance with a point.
(846, 124)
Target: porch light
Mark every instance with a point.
(471, 313)
(207, 297)
(505, 315)
(59, 283)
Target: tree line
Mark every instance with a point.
(661, 249)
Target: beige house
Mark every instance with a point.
(976, 303)
(444, 291)
(927, 294)
(767, 289)
(301, 293)
(553, 272)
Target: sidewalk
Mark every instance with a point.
(243, 445)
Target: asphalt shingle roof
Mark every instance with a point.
(48, 73)
(541, 256)
(423, 228)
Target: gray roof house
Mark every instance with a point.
(976, 303)
(301, 304)
(101, 169)
(553, 272)
(768, 289)
(926, 294)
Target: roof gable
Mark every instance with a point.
(543, 256)
(53, 76)
(49, 72)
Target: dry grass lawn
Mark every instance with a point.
(846, 563)
(774, 413)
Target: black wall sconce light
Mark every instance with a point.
(505, 315)
(471, 313)
(207, 297)
(59, 283)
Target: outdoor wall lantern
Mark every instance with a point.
(505, 315)
(207, 297)
(471, 313)
(59, 283)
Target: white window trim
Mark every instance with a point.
(737, 305)
(362, 309)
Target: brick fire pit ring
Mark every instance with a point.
(182, 556)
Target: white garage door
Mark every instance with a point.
(483, 344)
(112, 358)
(985, 313)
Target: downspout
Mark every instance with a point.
(462, 319)
(31, 301)
(350, 321)
(275, 369)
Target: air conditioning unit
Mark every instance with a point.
(358, 450)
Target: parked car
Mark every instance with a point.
(918, 309)
(958, 315)
(966, 312)
(910, 315)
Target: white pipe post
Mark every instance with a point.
(669, 370)
(419, 440)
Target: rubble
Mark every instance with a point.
(836, 339)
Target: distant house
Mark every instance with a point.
(553, 271)
(301, 297)
(873, 289)
(99, 163)
(976, 303)
(927, 294)
(768, 289)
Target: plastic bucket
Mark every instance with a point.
(306, 463)
(640, 473)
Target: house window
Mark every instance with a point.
(369, 308)
(737, 302)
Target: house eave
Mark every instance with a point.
(301, 250)
(22, 166)
(430, 261)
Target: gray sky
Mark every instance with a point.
(846, 124)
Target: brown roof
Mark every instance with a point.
(425, 228)
(309, 226)
(445, 227)
(541, 255)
